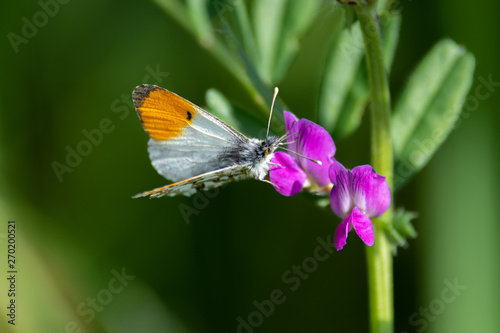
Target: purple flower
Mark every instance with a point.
(295, 172)
(357, 196)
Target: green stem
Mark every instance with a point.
(379, 256)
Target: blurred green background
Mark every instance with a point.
(76, 233)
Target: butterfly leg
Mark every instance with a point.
(269, 182)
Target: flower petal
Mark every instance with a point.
(340, 196)
(289, 178)
(291, 124)
(370, 191)
(362, 225)
(340, 238)
(316, 143)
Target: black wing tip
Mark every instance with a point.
(141, 92)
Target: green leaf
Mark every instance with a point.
(354, 106)
(265, 92)
(342, 65)
(402, 223)
(429, 107)
(200, 20)
(381, 5)
(243, 22)
(222, 108)
(354, 102)
(268, 16)
(391, 24)
(298, 18)
(217, 49)
(401, 228)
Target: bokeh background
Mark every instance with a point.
(75, 234)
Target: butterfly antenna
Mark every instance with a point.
(271, 113)
(300, 155)
(286, 137)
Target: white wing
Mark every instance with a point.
(196, 151)
(185, 139)
(202, 182)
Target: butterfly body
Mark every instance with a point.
(255, 153)
(195, 149)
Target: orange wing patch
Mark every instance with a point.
(163, 114)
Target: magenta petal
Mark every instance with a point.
(291, 124)
(362, 225)
(289, 178)
(340, 238)
(290, 120)
(338, 171)
(316, 143)
(370, 191)
(340, 196)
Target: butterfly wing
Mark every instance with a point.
(205, 181)
(186, 141)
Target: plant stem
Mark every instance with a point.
(379, 256)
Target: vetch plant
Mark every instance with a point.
(257, 44)
(292, 171)
(357, 196)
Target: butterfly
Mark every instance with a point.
(195, 149)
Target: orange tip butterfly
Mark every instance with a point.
(195, 149)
